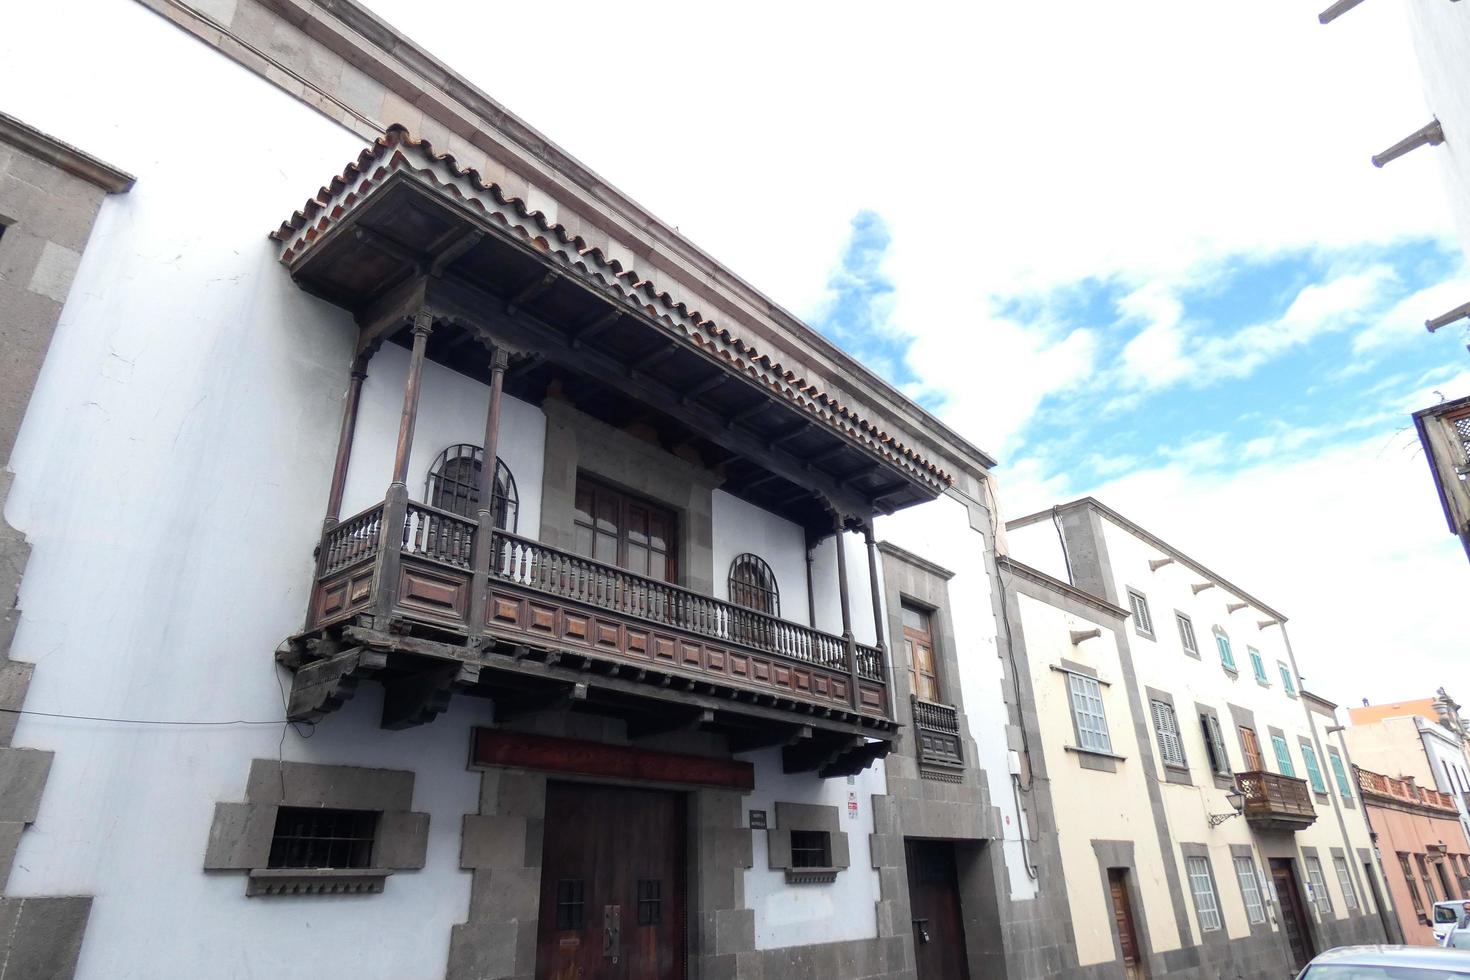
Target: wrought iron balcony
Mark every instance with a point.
(544, 611)
(1276, 802)
(937, 735)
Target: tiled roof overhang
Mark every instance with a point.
(398, 152)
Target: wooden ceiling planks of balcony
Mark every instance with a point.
(403, 246)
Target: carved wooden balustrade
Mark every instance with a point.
(937, 734)
(1276, 802)
(542, 597)
(1404, 791)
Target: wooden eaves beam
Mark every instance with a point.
(475, 306)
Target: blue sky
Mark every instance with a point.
(1092, 243)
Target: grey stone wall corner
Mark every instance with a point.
(501, 847)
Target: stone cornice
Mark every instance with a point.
(64, 156)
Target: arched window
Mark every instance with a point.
(455, 480)
(753, 585)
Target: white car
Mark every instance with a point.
(1446, 916)
(1389, 963)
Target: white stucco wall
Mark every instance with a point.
(1092, 805)
(798, 915)
(940, 531)
(740, 527)
(451, 411)
(171, 475)
(1441, 33)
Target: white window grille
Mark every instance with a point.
(1206, 904)
(1087, 713)
(1250, 889)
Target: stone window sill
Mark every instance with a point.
(811, 876)
(1094, 752)
(316, 881)
(1233, 672)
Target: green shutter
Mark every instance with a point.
(1258, 665)
(1344, 788)
(1314, 773)
(1283, 756)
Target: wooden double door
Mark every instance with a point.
(612, 884)
(1293, 911)
(1134, 967)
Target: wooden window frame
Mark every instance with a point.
(913, 638)
(1414, 894)
(441, 489)
(624, 503)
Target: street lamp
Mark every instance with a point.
(1236, 799)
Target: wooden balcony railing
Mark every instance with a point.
(937, 734)
(1278, 802)
(1404, 791)
(439, 534)
(350, 542)
(535, 565)
(550, 598)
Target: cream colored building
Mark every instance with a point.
(1168, 699)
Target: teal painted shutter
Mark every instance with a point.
(1283, 756)
(1314, 772)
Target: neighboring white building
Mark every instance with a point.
(1164, 689)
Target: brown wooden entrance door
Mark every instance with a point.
(1133, 964)
(1293, 915)
(612, 884)
(934, 899)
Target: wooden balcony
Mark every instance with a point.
(1405, 792)
(552, 627)
(1276, 802)
(937, 737)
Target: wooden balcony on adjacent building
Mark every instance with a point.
(1276, 802)
(1377, 787)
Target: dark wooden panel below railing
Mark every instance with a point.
(1272, 796)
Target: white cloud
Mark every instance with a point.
(1403, 322)
(1348, 542)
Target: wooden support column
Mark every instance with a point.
(344, 440)
(485, 529)
(847, 637)
(395, 505)
(873, 585)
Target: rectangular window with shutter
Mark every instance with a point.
(1286, 678)
(1250, 889)
(1143, 621)
(1314, 771)
(1258, 666)
(1166, 726)
(1414, 895)
(1087, 713)
(1251, 747)
(1227, 657)
(1283, 756)
(1339, 773)
(1202, 885)
(1345, 880)
(1186, 635)
(1215, 745)
(1319, 886)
